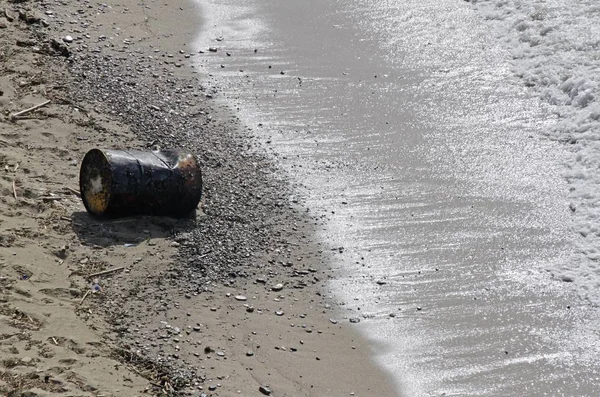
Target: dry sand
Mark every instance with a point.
(172, 321)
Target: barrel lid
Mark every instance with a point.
(95, 181)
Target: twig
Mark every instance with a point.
(69, 102)
(14, 190)
(54, 340)
(114, 269)
(84, 296)
(75, 192)
(31, 109)
(204, 255)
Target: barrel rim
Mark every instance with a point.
(88, 156)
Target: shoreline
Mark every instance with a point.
(174, 324)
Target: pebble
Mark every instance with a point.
(277, 287)
(250, 353)
(333, 321)
(241, 298)
(279, 313)
(355, 320)
(68, 39)
(265, 390)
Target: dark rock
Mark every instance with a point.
(29, 17)
(60, 47)
(25, 43)
(265, 390)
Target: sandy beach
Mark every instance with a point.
(229, 303)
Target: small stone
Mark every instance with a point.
(208, 350)
(566, 278)
(26, 360)
(240, 298)
(279, 313)
(68, 39)
(277, 287)
(355, 320)
(213, 49)
(212, 387)
(220, 354)
(265, 390)
(250, 309)
(333, 321)
(250, 353)
(196, 328)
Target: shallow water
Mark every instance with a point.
(411, 134)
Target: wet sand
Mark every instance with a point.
(193, 306)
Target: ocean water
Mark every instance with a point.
(449, 150)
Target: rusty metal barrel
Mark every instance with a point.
(134, 182)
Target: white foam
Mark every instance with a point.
(554, 45)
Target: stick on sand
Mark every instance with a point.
(84, 296)
(31, 109)
(114, 269)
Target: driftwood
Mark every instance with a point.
(75, 192)
(107, 271)
(31, 109)
(84, 296)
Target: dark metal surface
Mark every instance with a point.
(133, 182)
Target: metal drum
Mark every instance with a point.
(134, 182)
